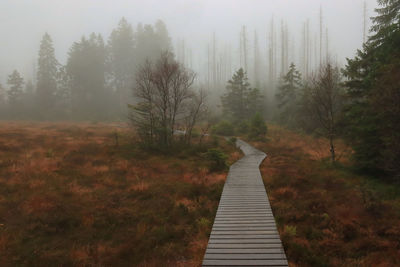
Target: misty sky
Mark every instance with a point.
(23, 22)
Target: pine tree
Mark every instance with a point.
(15, 82)
(63, 91)
(372, 87)
(86, 70)
(387, 22)
(288, 93)
(241, 102)
(151, 42)
(2, 96)
(47, 74)
(162, 36)
(29, 88)
(27, 104)
(121, 60)
(2, 102)
(289, 88)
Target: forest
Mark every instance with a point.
(128, 137)
(357, 102)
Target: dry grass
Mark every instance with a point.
(340, 218)
(70, 196)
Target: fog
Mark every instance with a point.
(23, 23)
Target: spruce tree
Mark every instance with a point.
(151, 42)
(63, 91)
(241, 102)
(2, 102)
(121, 61)
(46, 75)
(288, 94)
(15, 83)
(2, 95)
(28, 99)
(162, 36)
(86, 71)
(371, 115)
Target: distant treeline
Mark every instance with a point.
(95, 83)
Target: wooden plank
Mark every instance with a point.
(244, 232)
(244, 246)
(247, 256)
(245, 236)
(245, 216)
(243, 221)
(245, 250)
(242, 229)
(245, 263)
(245, 241)
(238, 213)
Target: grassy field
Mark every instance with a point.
(328, 216)
(69, 195)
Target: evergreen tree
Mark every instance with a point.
(288, 93)
(121, 47)
(2, 96)
(241, 102)
(151, 42)
(162, 36)
(373, 123)
(63, 92)
(46, 75)
(258, 128)
(29, 88)
(2, 102)
(15, 82)
(86, 70)
(28, 100)
(387, 22)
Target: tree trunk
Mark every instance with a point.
(333, 158)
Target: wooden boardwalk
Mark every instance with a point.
(244, 231)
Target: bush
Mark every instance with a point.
(243, 127)
(290, 230)
(217, 159)
(232, 140)
(258, 128)
(223, 128)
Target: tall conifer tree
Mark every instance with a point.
(373, 88)
(47, 74)
(15, 82)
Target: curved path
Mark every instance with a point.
(244, 231)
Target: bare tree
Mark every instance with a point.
(244, 46)
(196, 109)
(320, 35)
(323, 102)
(257, 64)
(143, 115)
(164, 94)
(365, 22)
(272, 54)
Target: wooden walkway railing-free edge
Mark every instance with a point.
(244, 231)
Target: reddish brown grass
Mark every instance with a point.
(70, 196)
(341, 218)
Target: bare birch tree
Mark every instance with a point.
(323, 103)
(165, 98)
